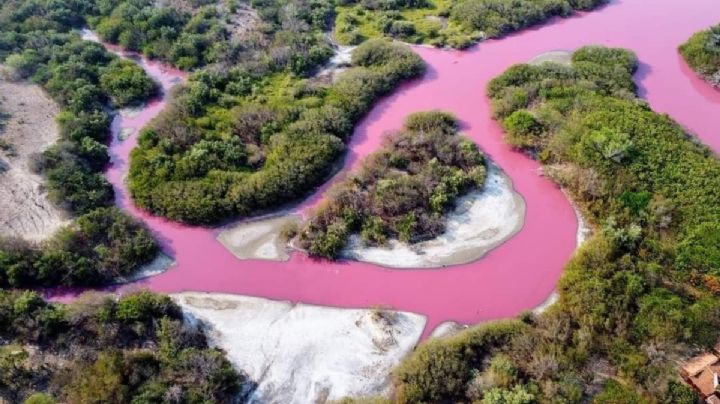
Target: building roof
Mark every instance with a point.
(704, 381)
(697, 364)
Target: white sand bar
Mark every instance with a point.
(258, 239)
(303, 353)
(482, 220)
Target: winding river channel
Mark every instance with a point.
(518, 275)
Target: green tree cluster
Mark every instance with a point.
(96, 249)
(100, 349)
(193, 34)
(237, 143)
(37, 44)
(456, 24)
(186, 38)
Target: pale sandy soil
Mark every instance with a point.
(557, 56)
(482, 220)
(160, 264)
(584, 230)
(303, 353)
(441, 21)
(447, 329)
(554, 296)
(25, 210)
(259, 239)
(242, 22)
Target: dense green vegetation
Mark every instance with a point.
(457, 24)
(402, 191)
(36, 43)
(702, 52)
(101, 350)
(186, 37)
(195, 33)
(245, 140)
(99, 247)
(639, 295)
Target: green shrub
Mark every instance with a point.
(522, 129)
(440, 369)
(126, 83)
(133, 349)
(628, 168)
(646, 279)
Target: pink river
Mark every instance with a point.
(520, 274)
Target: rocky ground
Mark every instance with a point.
(30, 127)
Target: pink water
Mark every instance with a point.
(516, 276)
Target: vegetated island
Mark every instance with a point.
(641, 293)
(246, 140)
(456, 24)
(100, 349)
(403, 191)
(702, 53)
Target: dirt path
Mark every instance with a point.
(25, 210)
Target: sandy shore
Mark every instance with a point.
(259, 239)
(557, 56)
(160, 264)
(482, 220)
(303, 353)
(447, 329)
(25, 210)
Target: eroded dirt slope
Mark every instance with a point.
(28, 127)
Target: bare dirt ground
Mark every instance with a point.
(30, 127)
